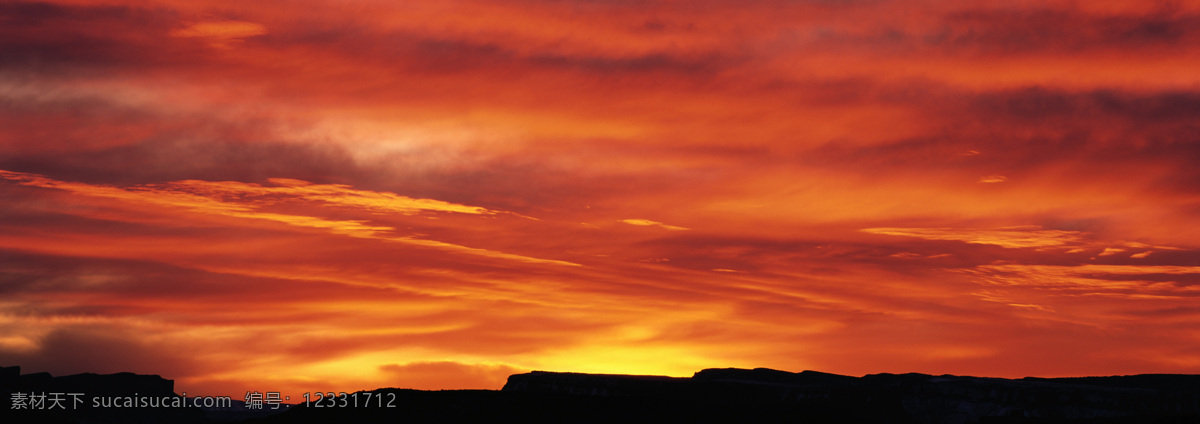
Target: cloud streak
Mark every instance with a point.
(1017, 237)
(205, 197)
(649, 223)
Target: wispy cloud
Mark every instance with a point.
(220, 33)
(1131, 281)
(1013, 238)
(649, 223)
(206, 197)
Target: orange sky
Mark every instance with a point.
(352, 195)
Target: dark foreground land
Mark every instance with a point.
(713, 395)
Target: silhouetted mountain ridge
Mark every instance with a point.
(20, 405)
(767, 395)
(767, 375)
(710, 395)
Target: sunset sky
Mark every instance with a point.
(327, 195)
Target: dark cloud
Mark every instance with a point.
(1185, 312)
(101, 349)
(1016, 31)
(164, 159)
(78, 40)
(1175, 280)
(50, 125)
(641, 65)
(1019, 130)
(498, 58)
(1041, 104)
(124, 287)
